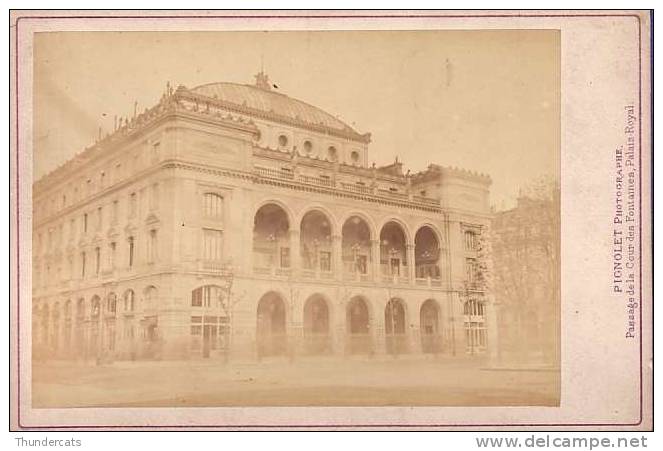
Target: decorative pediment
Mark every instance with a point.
(112, 233)
(130, 229)
(152, 219)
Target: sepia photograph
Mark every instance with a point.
(297, 217)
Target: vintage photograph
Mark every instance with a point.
(295, 218)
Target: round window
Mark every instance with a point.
(283, 140)
(331, 153)
(354, 156)
(308, 146)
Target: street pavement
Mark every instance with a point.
(330, 381)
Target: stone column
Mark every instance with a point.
(410, 262)
(375, 256)
(295, 257)
(337, 257)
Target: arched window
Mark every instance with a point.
(129, 303)
(308, 147)
(150, 295)
(207, 296)
(213, 206)
(283, 141)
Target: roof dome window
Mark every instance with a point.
(332, 154)
(283, 141)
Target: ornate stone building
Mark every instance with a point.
(234, 220)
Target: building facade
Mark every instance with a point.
(232, 220)
(526, 257)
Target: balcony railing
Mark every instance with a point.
(274, 173)
(345, 186)
(271, 271)
(428, 282)
(320, 181)
(212, 265)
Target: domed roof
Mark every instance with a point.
(261, 98)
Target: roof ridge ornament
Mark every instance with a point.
(262, 81)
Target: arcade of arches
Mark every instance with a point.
(355, 252)
(275, 337)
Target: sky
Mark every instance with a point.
(487, 101)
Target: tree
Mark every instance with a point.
(526, 256)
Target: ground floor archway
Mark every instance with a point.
(316, 325)
(358, 327)
(394, 327)
(271, 330)
(429, 318)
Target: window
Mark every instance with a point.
(129, 301)
(354, 156)
(471, 270)
(156, 147)
(475, 326)
(283, 141)
(213, 206)
(111, 304)
(131, 251)
(152, 247)
(97, 260)
(83, 264)
(114, 211)
(85, 223)
(325, 261)
(332, 154)
(132, 205)
(207, 296)
(285, 257)
(212, 245)
(100, 218)
(471, 240)
(308, 147)
(111, 255)
(154, 197)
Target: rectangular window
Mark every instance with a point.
(111, 255)
(100, 218)
(197, 299)
(131, 251)
(471, 269)
(114, 211)
(213, 206)
(156, 148)
(325, 261)
(212, 245)
(154, 197)
(132, 204)
(362, 264)
(97, 260)
(85, 223)
(83, 264)
(152, 247)
(285, 257)
(395, 267)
